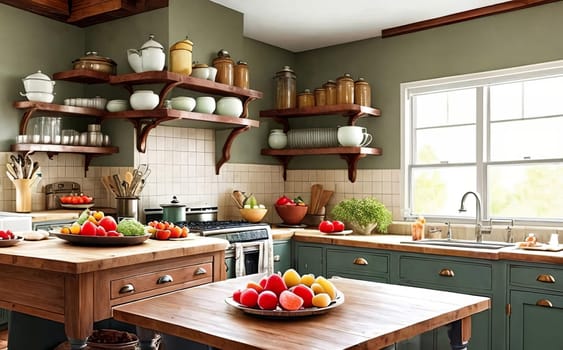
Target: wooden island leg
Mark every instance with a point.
(79, 309)
(459, 333)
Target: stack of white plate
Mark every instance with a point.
(312, 138)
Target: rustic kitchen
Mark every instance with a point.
(163, 110)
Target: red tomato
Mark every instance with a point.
(326, 226)
(338, 226)
(75, 200)
(163, 234)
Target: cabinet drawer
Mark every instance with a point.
(445, 273)
(345, 262)
(189, 276)
(536, 277)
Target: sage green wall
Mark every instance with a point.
(31, 43)
(516, 38)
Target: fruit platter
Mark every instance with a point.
(76, 201)
(287, 295)
(8, 238)
(94, 228)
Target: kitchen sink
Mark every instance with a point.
(458, 243)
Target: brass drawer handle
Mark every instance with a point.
(545, 278)
(164, 279)
(200, 271)
(446, 273)
(128, 288)
(360, 261)
(277, 258)
(544, 303)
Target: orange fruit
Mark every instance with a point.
(290, 301)
(321, 300)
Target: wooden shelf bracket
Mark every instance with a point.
(226, 154)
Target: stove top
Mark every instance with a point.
(213, 228)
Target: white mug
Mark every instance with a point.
(353, 136)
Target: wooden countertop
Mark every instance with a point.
(55, 254)
(372, 317)
(393, 242)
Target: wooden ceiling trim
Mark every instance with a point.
(463, 16)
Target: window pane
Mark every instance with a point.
(527, 139)
(438, 191)
(506, 101)
(543, 97)
(445, 145)
(445, 108)
(526, 191)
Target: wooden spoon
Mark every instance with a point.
(323, 201)
(316, 191)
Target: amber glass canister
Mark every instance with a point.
(305, 99)
(362, 92)
(181, 57)
(345, 89)
(286, 88)
(225, 67)
(330, 92)
(320, 97)
(242, 75)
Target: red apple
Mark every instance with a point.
(101, 231)
(88, 229)
(108, 223)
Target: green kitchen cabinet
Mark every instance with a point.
(282, 255)
(309, 258)
(363, 264)
(4, 316)
(536, 304)
(461, 275)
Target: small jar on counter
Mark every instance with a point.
(225, 67)
(362, 92)
(286, 88)
(345, 89)
(320, 97)
(277, 139)
(330, 92)
(305, 99)
(242, 75)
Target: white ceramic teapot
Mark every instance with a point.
(150, 57)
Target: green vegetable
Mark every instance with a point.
(363, 213)
(130, 227)
(83, 216)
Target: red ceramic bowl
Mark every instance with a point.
(291, 214)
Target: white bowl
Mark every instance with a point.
(38, 96)
(183, 103)
(212, 73)
(117, 105)
(229, 106)
(144, 100)
(201, 72)
(205, 104)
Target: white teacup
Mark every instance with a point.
(354, 136)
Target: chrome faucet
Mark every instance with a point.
(478, 214)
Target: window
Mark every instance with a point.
(496, 133)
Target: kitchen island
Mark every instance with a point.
(373, 316)
(79, 285)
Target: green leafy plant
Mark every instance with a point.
(363, 214)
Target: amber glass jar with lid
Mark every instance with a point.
(181, 57)
(242, 75)
(320, 96)
(225, 67)
(362, 92)
(286, 87)
(305, 99)
(330, 92)
(345, 89)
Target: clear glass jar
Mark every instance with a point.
(242, 75)
(345, 89)
(330, 91)
(277, 139)
(225, 68)
(286, 88)
(362, 92)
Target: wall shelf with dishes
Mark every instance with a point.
(350, 154)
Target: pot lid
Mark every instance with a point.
(152, 43)
(93, 56)
(174, 203)
(183, 45)
(38, 76)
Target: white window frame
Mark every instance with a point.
(407, 90)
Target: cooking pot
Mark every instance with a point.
(92, 61)
(150, 57)
(174, 211)
(38, 82)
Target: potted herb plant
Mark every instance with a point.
(363, 215)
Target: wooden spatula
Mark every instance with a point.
(316, 191)
(323, 201)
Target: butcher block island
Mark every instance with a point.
(79, 285)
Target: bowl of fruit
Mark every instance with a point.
(252, 211)
(76, 201)
(292, 212)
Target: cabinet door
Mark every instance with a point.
(536, 321)
(4, 315)
(357, 263)
(282, 255)
(309, 259)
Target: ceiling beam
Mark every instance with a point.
(463, 16)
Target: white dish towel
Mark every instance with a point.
(265, 256)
